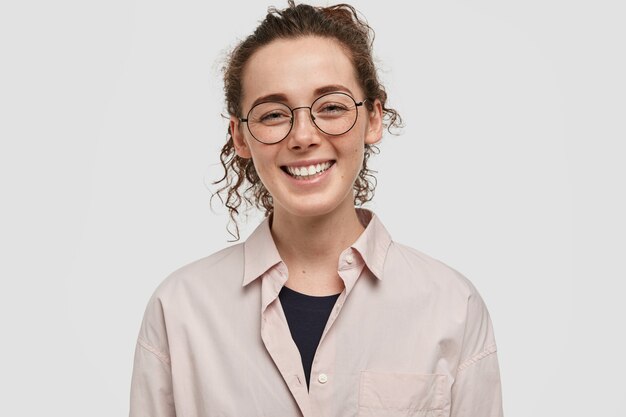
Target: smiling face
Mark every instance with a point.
(296, 72)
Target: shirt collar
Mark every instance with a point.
(373, 243)
(261, 254)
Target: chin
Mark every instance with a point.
(315, 210)
(313, 206)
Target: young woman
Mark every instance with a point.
(318, 313)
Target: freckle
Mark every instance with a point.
(303, 271)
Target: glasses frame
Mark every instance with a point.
(293, 116)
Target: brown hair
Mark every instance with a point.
(340, 22)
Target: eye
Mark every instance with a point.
(332, 109)
(273, 116)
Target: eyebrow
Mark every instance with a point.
(318, 92)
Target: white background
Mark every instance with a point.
(510, 169)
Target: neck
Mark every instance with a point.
(316, 240)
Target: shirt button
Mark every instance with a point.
(349, 259)
(322, 378)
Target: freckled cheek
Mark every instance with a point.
(262, 171)
(359, 151)
(261, 163)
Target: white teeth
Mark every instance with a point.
(308, 171)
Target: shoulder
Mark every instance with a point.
(223, 267)
(426, 270)
(446, 290)
(183, 291)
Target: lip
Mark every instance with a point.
(307, 163)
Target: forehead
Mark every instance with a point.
(297, 67)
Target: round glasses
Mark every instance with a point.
(333, 114)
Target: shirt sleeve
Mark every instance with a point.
(476, 391)
(151, 391)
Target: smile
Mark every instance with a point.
(309, 171)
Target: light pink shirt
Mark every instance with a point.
(408, 336)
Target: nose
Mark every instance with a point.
(304, 133)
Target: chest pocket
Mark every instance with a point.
(385, 394)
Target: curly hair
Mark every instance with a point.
(341, 22)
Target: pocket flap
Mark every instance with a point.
(401, 391)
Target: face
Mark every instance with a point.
(296, 72)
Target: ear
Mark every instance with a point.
(241, 146)
(375, 126)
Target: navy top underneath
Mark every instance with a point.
(307, 316)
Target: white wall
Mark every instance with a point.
(510, 169)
